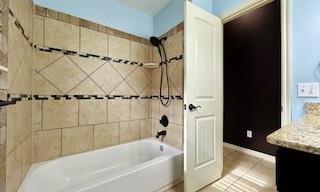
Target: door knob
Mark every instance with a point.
(192, 107)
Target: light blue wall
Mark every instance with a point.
(220, 7)
(204, 4)
(107, 12)
(168, 17)
(305, 48)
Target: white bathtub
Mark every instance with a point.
(138, 166)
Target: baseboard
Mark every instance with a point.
(264, 156)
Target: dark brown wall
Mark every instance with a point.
(252, 77)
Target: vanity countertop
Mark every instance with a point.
(302, 135)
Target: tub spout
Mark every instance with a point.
(161, 133)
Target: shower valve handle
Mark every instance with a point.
(192, 107)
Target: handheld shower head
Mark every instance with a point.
(155, 41)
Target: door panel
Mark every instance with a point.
(205, 141)
(203, 89)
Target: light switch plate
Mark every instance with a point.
(308, 89)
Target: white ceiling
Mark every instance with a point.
(150, 7)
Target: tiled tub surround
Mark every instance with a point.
(63, 127)
(302, 135)
(174, 48)
(3, 89)
(18, 118)
(91, 93)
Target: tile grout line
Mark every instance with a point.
(255, 165)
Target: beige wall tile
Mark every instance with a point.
(93, 42)
(178, 112)
(156, 56)
(145, 128)
(92, 112)
(139, 109)
(18, 128)
(139, 52)
(13, 164)
(174, 136)
(76, 140)
(124, 70)
(118, 110)
(43, 87)
(43, 59)
(22, 80)
(38, 30)
(26, 150)
(2, 176)
(23, 10)
(61, 35)
(129, 131)
(138, 80)
(150, 53)
(106, 135)
(60, 113)
(88, 65)
(64, 74)
(20, 76)
(123, 89)
(87, 87)
(36, 114)
(155, 109)
(46, 145)
(177, 79)
(119, 48)
(107, 82)
(174, 45)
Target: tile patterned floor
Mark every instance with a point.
(242, 173)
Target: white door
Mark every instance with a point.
(203, 88)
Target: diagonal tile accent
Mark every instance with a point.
(123, 89)
(64, 74)
(107, 77)
(124, 70)
(17, 51)
(43, 87)
(177, 79)
(138, 80)
(87, 87)
(19, 84)
(43, 59)
(88, 65)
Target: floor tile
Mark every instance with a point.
(241, 173)
(227, 151)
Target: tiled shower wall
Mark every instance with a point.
(174, 111)
(3, 89)
(90, 89)
(19, 85)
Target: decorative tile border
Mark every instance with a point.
(23, 97)
(80, 54)
(104, 58)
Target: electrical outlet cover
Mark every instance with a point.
(249, 134)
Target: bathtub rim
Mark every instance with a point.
(176, 152)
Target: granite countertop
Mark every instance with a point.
(302, 135)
